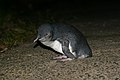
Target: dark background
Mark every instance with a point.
(87, 7)
(19, 19)
(46, 4)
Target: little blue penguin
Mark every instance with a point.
(65, 39)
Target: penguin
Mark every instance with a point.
(65, 39)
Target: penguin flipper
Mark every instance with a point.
(65, 49)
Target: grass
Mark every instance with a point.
(15, 30)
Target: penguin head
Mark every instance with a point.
(44, 33)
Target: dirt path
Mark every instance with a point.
(28, 63)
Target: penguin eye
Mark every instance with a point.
(47, 34)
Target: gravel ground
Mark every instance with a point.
(28, 63)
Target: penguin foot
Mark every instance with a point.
(67, 59)
(83, 56)
(60, 57)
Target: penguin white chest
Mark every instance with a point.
(56, 45)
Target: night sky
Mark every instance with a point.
(83, 7)
(54, 4)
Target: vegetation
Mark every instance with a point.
(17, 28)
(14, 30)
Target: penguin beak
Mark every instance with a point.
(35, 40)
(38, 37)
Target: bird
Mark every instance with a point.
(65, 39)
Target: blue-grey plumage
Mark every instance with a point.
(65, 39)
